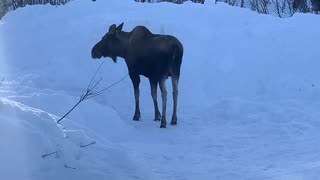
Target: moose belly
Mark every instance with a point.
(154, 70)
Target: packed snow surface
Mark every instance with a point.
(249, 96)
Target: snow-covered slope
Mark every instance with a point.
(248, 105)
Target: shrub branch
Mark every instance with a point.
(1, 81)
(90, 93)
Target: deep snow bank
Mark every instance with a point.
(28, 134)
(248, 94)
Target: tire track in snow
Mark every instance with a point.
(232, 138)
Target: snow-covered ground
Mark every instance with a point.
(248, 105)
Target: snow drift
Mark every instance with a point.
(249, 94)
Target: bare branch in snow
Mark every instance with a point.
(1, 81)
(277, 7)
(49, 154)
(90, 93)
(69, 167)
(93, 142)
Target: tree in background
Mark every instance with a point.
(282, 8)
(242, 3)
(173, 1)
(315, 6)
(300, 6)
(261, 6)
(9, 5)
(3, 8)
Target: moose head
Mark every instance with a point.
(110, 44)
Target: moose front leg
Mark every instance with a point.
(164, 102)
(136, 81)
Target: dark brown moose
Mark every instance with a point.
(154, 56)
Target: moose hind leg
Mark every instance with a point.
(136, 81)
(175, 81)
(154, 86)
(164, 102)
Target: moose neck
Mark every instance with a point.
(124, 44)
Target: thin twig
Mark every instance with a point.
(103, 90)
(1, 81)
(93, 142)
(94, 76)
(69, 167)
(94, 86)
(70, 110)
(49, 154)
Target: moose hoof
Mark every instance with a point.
(157, 117)
(163, 124)
(173, 123)
(136, 117)
(174, 120)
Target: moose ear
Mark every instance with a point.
(119, 28)
(112, 28)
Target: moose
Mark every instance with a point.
(155, 56)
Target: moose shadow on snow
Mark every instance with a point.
(154, 56)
